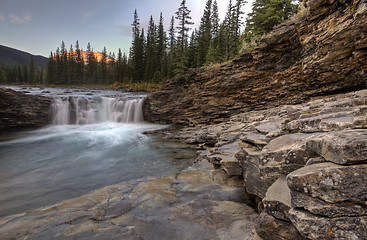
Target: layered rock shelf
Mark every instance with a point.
(306, 164)
(321, 51)
(19, 110)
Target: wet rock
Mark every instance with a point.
(317, 227)
(186, 206)
(330, 182)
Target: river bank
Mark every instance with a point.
(300, 167)
(305, 163)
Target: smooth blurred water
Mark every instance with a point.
(45, 166)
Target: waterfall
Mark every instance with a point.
(81, 110)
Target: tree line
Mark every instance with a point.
(25, 73)
(157, 54)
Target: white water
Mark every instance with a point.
(81, 110)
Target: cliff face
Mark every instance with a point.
(18, 110)
(323, 50)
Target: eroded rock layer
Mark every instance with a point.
(18, 110)
(321, 51)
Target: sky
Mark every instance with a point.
(39, 26)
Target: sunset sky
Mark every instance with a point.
(39, 26)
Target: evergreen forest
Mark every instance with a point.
(157, 54)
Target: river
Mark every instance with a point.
(96, 138)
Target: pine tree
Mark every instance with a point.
(137, 50)
(213, 54)
(151, 51)
(183, 16)
(63, 64)
(71, 63)
(205, 34)
(192, 50)
(268, 13)
(172, 47)
(32, 71)
(91, 66)
(79, 72)
(51, 70)
(161, 45)
(103, 78)
(236, 26)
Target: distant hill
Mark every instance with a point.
(11, 57)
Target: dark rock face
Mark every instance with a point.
(321, 51)
(18, 110)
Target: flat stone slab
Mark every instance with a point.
(317, 227)
(342, 147)
(331, 182)
(320, 207)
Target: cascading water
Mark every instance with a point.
(81, 110)
(94, 141)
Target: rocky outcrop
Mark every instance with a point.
(308, 176)
(19, 110)
(321, 51)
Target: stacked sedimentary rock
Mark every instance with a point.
(19, 110)
(321, 51)
(306, 164)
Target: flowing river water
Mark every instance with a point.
(95, 139)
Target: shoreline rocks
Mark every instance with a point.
(20, 111)
(306, 178)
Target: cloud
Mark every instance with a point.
(125, 30)
(89, 14)
(20, 20)
(2, 18)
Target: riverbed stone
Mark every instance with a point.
(183, 206)
(317, 227)
(331, 182)
(341, 147)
